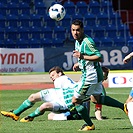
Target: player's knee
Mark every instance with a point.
(95, 98)
(32, 98)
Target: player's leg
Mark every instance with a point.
(130, 111)
(28, 103)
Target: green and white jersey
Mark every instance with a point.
(91, 71)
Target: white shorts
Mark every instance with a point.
(92, 89)
(54, 96)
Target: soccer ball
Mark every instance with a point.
(57, 12)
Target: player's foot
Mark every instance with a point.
(10, 114)
(85, 127)
(125, 108)
(27, 119)
(98, 114)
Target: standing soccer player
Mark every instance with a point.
(129, 100)
(92, 76)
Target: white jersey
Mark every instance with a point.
(56, 95)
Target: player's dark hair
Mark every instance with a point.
(78, 22)
(57, 69)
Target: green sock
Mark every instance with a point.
(24, 106)
(36, 113)
(106, 100)
(82, 110)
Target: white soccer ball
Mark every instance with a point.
(57, 12)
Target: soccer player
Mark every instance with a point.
(53, 98)
(129, 100)
(90, 85)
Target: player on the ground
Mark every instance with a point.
(129, 100)
(53, 98)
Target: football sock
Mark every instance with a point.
(84, 114)
(36, 113)
(106, 100)
(24, 106)
(130, 111)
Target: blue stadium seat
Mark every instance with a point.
(2, 21)
(66, 21)
(82, 7)
(130, 42)
(22, 43)
(70, 7)
(11, 33)
(106, 41)
(9, 43)
(24, 8)
(3, 9)
(35, 32)
(36, 20)
(119, 41)
(94, 7)
(1, 44)
(59, 32)
(90, 19)
(12, 20)
(40, 8)
(98, 31)
(2, 34)
(77, 16)
(12, 8)
(34, 43)
(24, 20)
(97, 42)
(88, 30)
(46, 42)
(111, 31)
(102, 19)
(47, 32)
(58, 42)
(23, 32)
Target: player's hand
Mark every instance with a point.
(127, 59)
(77, 54)
(75, 67)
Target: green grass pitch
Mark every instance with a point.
(116, 120)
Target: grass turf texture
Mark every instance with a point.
(116, 121)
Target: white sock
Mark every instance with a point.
(59, 117)
(130, 111)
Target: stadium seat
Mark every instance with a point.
(24, 8)
(102, 19)
(35, 32)
(82, 7)
(119, 41)
(24, 20)
(90, 19)
(66, 21)
(34, 43)
(57, 42)
(130, 43)
(46, 42)
(106, 41)
(2, 21)
(70, 7)
(12, 8)
(88, 30)
(111, 31)
(97, 42)
(36, 20)
(12, 20)
(11, 33)
(59, 32)
(94, 7)
(77, 16)
(3, 9)
(9, 43)
(2, 34)
(40, 8)
(47, 32)
(98, 31)
(23, 32)
(22, 43)
(1, 44)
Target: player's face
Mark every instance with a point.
(54, 75)
(77, 32)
